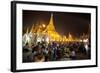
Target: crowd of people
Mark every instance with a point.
(55, 51)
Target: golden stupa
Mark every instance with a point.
(51, 31)
(43, 32)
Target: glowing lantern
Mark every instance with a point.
(47, 39)
(38, 39)
(43, 25)
(85, 40)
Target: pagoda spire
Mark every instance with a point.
(50, 26)
(32, 28)
(27, 31)
(51, 19)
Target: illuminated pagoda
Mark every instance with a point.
(46, 33)
(51, 32)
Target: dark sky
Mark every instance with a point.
(64, 22)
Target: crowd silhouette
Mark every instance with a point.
(56, 51)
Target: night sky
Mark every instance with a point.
(64, 22)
